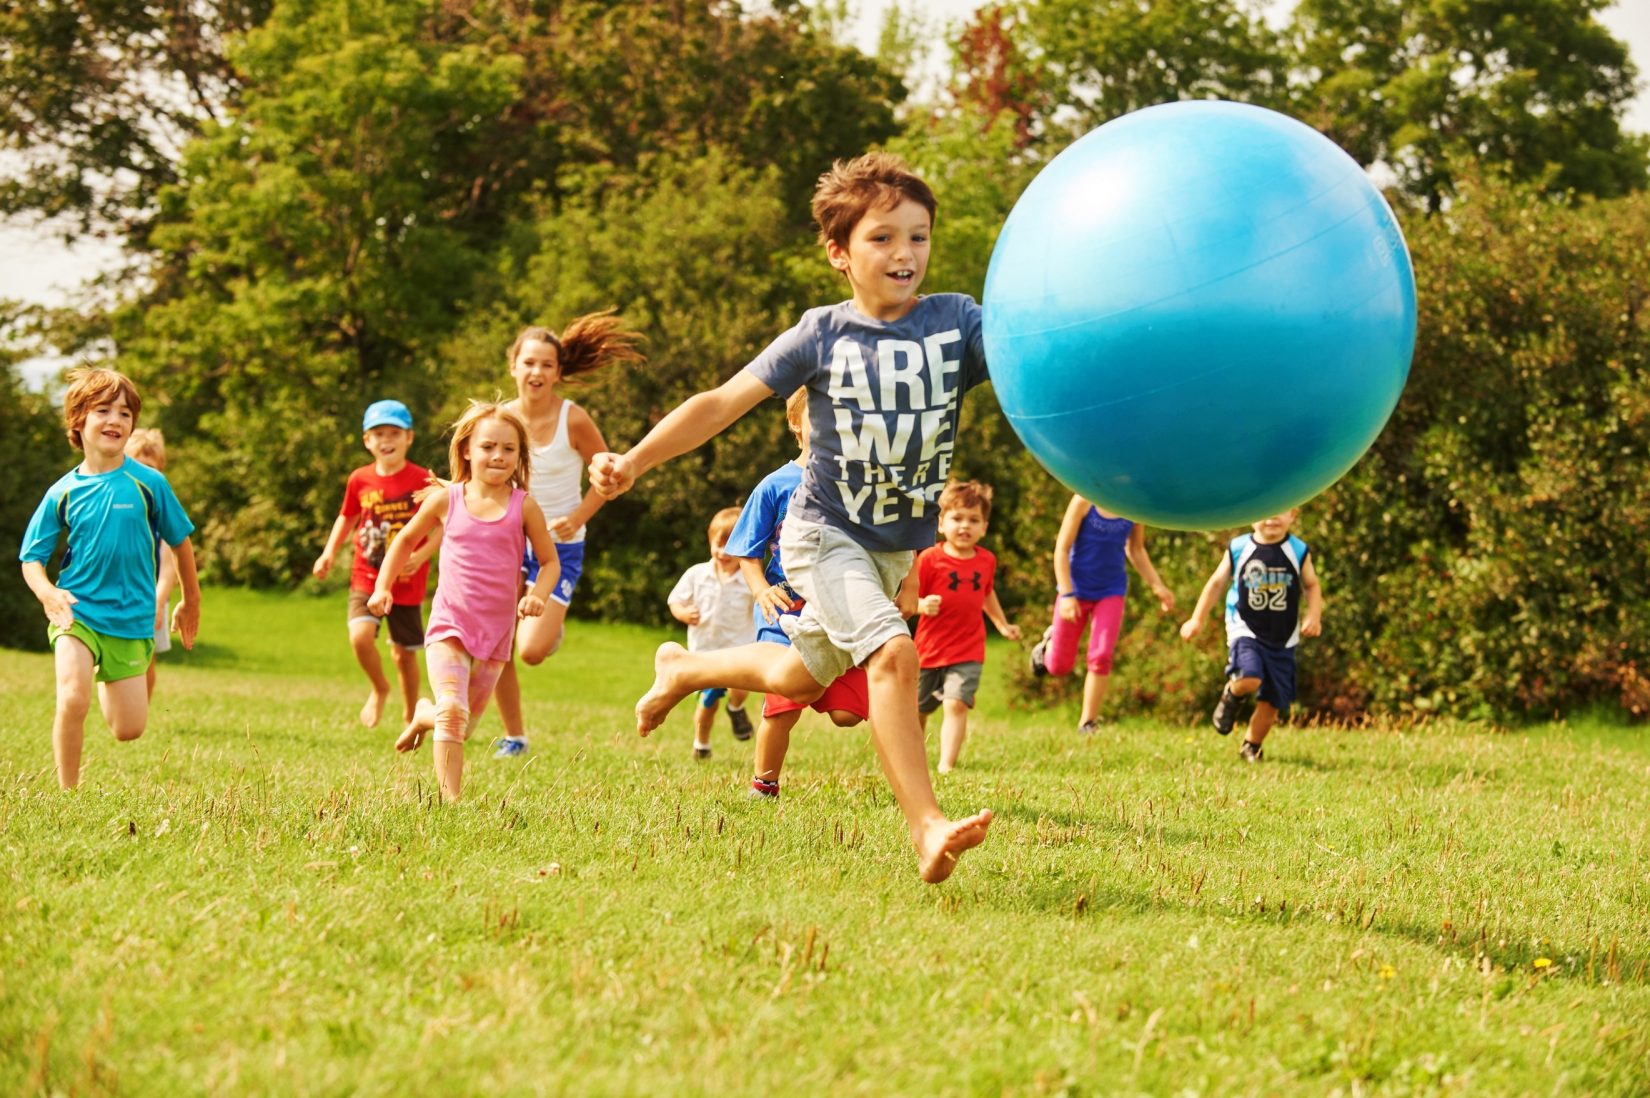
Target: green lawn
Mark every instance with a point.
(260, 896)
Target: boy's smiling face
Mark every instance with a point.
(885, 258)
(108, 425)
(388, 445)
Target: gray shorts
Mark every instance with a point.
(954, 682)
(849, 592)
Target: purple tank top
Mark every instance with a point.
(475, 600)
(1098, 565)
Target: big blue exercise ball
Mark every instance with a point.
(1199, 314)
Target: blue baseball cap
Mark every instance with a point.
(386, 413)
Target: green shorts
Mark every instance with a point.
(116, 658)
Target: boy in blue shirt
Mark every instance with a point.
(885, 373)
(116, 512)
(1269, 572)
(846, 701)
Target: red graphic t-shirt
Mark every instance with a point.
(385, 505)
(957, 633)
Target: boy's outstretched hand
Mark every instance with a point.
(1191, 627)
(186, 622)
(611, 474)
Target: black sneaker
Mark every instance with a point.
(1038, 651)
(741, 723)
(701, 751)
(1226, 711)
(1089, 728)
(1251, 752)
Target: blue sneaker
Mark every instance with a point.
(511, 747)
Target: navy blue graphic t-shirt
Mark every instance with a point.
(1264, 600)
(883, 403)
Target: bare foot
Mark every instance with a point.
(944, 841)
(374, 708)
(662, 697)
(412, 737)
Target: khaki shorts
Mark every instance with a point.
(406, 622)
(849, 592)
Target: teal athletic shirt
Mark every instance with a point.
(115, 522)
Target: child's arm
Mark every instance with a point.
(1206, 599)
(428, 520)
(341, 527)
(773, 599)
(994, 611)
(696, 420)
(910, 599)
(186, 619)
(167, 581)
(1135, 550)
(1065, 599)
(426, 549)
(587, 441)
(1312, 620)
(58, 603)
(684, 612)
(538, 536)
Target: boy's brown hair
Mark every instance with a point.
(722, 524)
(853, 188)
(967, 493)
(587, 343)
(148, 445)
(90, 386)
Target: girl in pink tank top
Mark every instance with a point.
(487, 518)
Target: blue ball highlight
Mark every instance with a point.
(1200, 314)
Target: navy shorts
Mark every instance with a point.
(1274, 667)
(571, 556)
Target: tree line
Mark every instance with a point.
(325, 203)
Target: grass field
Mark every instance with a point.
(260, 896)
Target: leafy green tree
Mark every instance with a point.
(1533, 87)
(98, 96)
(34, 453)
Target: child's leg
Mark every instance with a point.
(537, 639)
(897, 732)
(763, 667)
(508, 693)
(773, 740)
(1061, 654)
(450, 669)
(454, 722)
(736, 714)
(406, 676)
(704, 718)
(1105, 627)
(953, 731)
(363, 639)
(1261, 722)
(74, 700)
(125, 705)
(149, 679)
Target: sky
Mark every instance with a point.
(37, 267)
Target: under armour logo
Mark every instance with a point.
(956, 580)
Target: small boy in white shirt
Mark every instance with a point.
(711, 599)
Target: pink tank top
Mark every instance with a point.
(475, 600)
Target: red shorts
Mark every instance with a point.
(851, 691)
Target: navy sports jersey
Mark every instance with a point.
(1264, 601)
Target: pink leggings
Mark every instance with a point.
(1107, 615)
(462, 685)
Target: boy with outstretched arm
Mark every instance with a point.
(885, 373)
(1267, 576)
(116, 512)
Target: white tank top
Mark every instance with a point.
(556, 471)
